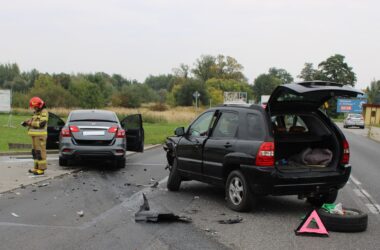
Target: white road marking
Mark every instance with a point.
(372, 208)
(366, 194)
(358, 193)
(354, 180)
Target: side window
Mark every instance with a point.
(227, 125)
(254, 126)
(55, 121)
(201, 126)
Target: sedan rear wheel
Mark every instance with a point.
(63, 162)
(238, 194)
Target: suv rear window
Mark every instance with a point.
(289, 124)
(254, 126)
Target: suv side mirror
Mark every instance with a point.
(179, 131)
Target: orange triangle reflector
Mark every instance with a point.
(305, 229)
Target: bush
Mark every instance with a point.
(159, 107)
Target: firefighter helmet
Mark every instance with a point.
(36, 102)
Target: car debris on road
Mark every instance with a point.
(146, 214)
(231, 221)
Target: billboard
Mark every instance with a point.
(5, 100)
(350, 105)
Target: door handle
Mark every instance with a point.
(227, 145)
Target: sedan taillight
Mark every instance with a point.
(120, 133)
(65, 132)
(74, 129)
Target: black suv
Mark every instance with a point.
(254, 151)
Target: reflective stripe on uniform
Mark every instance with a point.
(42, 162)
(36, 132)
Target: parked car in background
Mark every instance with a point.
(95, 134)
(289, 148)
(354, 120)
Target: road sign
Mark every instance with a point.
(350, 105)
(196, 94)
(5, 100)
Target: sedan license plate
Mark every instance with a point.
(93, 133)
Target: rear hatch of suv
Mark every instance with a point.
(305, 138)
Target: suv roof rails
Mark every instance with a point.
(319, 83)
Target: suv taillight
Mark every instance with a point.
(265, 155)
(346, 153)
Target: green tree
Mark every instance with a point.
(264, 84)
(373, 91)
(8, 72)
(184, 93)
(160, 82)
(87, 94)
(282, 74)
(182, 71)
(52, 93)
(335, 69)
(205, 68)
(308, 73)
(62, 79)
(220, 67)
(118, 81)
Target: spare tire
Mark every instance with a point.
(353, 220)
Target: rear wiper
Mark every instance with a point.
(92, 120)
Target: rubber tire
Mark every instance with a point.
(324, 198)
(344, 223)
(174, 180)
(63, 162)
(344, 126)
(362, 127)
(247, 200)
(120, 163)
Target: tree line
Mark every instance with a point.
(209, 75)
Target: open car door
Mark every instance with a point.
(55, 124)
(133, 127)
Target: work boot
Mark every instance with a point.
(32, 171)
(39, 172)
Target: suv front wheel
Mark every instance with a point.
(238, 194)
(174, 180)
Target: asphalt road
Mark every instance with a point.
(48, 216)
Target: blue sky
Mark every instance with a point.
(142, 37)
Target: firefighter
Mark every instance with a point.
(37, 129)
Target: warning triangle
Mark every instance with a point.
(305, 229)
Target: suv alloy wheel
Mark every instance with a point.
(238, 194)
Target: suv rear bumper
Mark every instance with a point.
(267, 180)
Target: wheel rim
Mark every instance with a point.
(236, 190)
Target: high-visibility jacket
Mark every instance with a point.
(38, 126)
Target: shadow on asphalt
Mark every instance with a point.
(289, 205)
